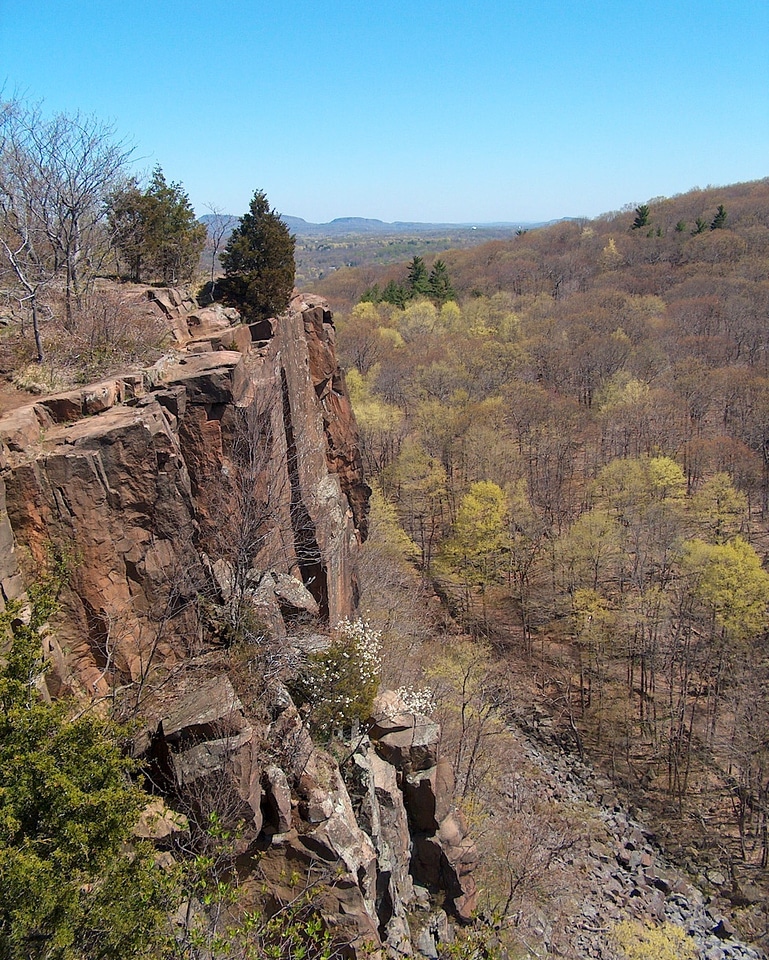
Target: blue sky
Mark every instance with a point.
(433, 111)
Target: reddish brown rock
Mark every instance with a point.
(428, 795)
(343, 444)
(408, 741)
(446, 861)
(139, 492)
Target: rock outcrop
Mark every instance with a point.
(248, 460)
(219, 495)
(364, 839)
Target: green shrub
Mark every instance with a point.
(338, 686)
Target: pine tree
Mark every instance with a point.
(70, 886)
(417, 281)
(258, 262)
(176, 238)
(440, 288)
(720, 218)
(395, 293)
(641, 216)
(155, 230)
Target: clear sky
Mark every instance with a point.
(434, 110)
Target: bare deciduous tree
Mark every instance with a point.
(54, 176)
(219, 228)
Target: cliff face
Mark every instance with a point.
(219, 495)
(180, 483)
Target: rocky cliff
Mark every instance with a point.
(179, 482)
(216, 503)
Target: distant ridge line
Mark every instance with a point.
(345, 226)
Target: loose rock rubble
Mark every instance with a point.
(625, 874)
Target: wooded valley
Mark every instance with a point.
(578, 450)
(559, 615)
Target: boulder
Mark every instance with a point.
(290, 593)
(291, 864)
(211, 710)
(64, 407)
(446, 861)
(21, 430)
(382, 815)
(428, 795)
(408, 741)
(101, 396)
(159, 822)
(11, 583)
(204, 746)
(277, 795)
(212, 319)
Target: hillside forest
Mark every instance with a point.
(578, 449)
(567, 435)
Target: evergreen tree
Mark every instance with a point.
(641, 216)
(258, 262)
(395, 293)
(720, 218)
(128, 225)
(69, 887)
(440, 288)
(155, 230)
(417, 281)
(175, 238)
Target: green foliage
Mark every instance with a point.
(259, 263)
(436, 286)
(395, 293)
(295, 931)
(226, 924)
(68, 886)
(719, 507)
(720, 218)
(372, 295)
(629, 487)
(417, 280)
(387, 536)
(732, 584)
(475, 943)
(440, 289)
(642, 941)
(591, 549)
(338, 686)
(155, 230)
(480, 541)
(421, 483)
(641, 216)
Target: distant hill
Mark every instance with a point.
(345, 226)
(570, 256)
(323, 248)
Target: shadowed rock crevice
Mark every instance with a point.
(308, 554)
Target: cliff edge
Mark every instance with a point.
(210, 510)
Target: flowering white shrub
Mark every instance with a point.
(420, 700)
(339, 684)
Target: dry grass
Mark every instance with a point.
(111, 329)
